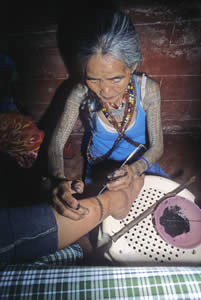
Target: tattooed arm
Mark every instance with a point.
(151, 104)
(63, 130)
(62, 197)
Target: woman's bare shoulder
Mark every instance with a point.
(149, 90)
(149, 81)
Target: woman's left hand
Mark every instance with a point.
(121, 178)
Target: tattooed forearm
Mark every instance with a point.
(60, 136)
(63, 130)
(151, 105)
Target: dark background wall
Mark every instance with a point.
(170, 37)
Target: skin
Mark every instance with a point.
(63, 192)
(108, 77)
(115, 204)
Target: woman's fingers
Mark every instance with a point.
(67, 205)
(121, 179)
(64, 194)
(67, 211)
(118, 179)
(120, 183)
(117, 174)
(77, 186)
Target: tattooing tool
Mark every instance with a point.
(122, 165)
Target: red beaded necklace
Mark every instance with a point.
(129, 98)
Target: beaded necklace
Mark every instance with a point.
(118, 113)
(130, 99)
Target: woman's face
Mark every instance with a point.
(108, 77)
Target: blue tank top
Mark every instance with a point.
(102, 140)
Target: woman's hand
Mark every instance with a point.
(63, 201)
(121, 178)
(120, 206)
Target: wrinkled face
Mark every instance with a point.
(108, 77)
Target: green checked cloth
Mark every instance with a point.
(75, 282)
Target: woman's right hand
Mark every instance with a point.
(63, 201)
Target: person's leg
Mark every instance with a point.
(35, 231)
(115, 203)
(27, 233)
(70, 231)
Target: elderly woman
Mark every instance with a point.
(123, 108)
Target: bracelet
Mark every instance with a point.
(101, 208)
(148, 166)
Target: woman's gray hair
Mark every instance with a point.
(112, 34)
